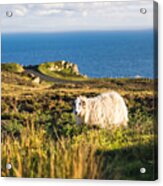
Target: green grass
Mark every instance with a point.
(12, 67)
(40, 137)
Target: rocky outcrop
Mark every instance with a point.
(64, 66)
(75, 69)
(61, 69)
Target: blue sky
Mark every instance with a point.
(62, 17)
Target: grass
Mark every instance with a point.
(40, 137)
(65, 74)
(12, 67)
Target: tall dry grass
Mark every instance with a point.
(93, 154)
(34, 154)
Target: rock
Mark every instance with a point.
(51, 68)
(63, 62)
(36, 80)
(31, 75)
(75, 69)
(62, 66)
(66, 65)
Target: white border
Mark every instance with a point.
(54, 1)
(40, 182)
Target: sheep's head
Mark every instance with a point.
(80, 106)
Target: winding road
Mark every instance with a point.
(51, 79)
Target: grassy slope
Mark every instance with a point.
(40, 138)
(12, 67)
(64, 74)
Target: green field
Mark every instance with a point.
(40, 137)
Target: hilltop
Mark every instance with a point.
(61, 69)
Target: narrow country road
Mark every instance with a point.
(51, 79)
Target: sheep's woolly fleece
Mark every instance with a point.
(105, 110)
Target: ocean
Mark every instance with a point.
(97, 53)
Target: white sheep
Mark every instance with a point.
(105, 110)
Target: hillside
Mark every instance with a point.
(12, 67)
(61, 69)
(39, 120)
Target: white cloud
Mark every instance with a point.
(84, 13)
(68, 12)
(77, 16)
(47, 13)
(20, 11)
(51, 6)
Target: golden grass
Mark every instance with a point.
(35, 154)
(40, 138)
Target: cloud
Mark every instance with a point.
(68, 12)
(51, 6)
(20, 11)
(47, 13)
(77, 16)
(84, 13)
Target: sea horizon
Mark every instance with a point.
(99, 54)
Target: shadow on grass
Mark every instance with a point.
(125, 163)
